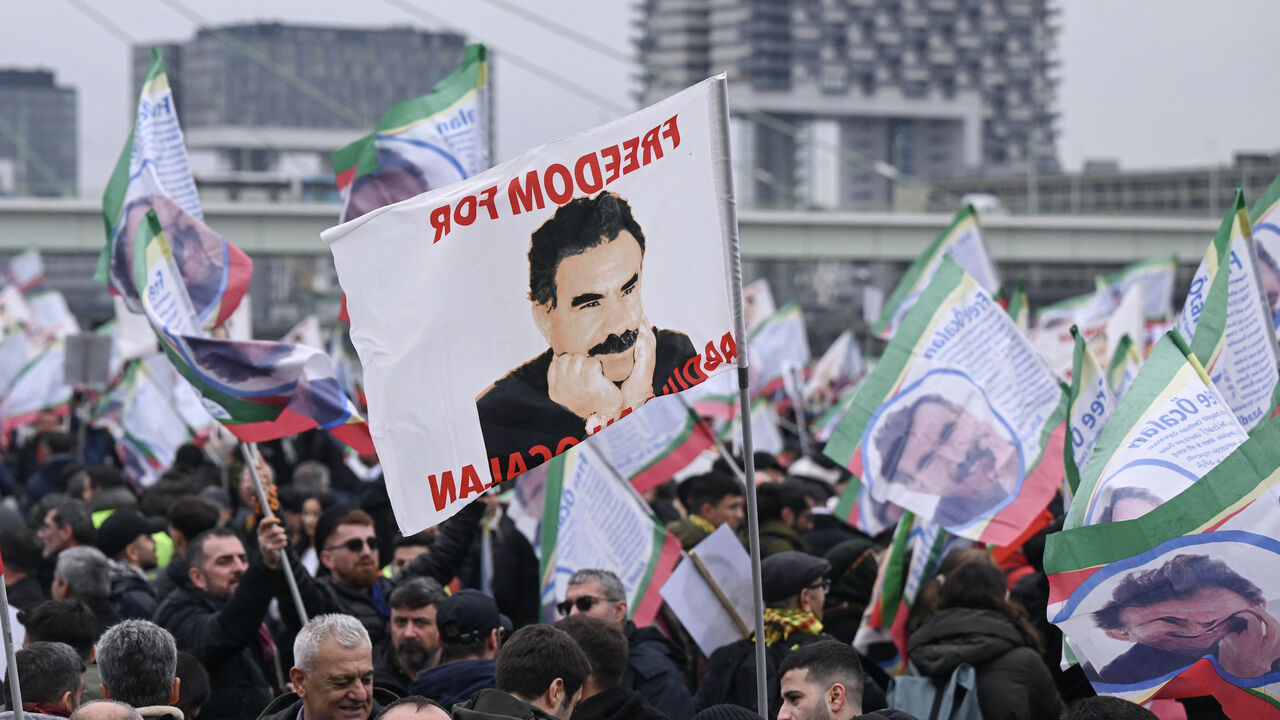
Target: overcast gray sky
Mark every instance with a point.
(1153, 83)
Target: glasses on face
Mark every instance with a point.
(824, 585)
(355, 544)
(584, 603)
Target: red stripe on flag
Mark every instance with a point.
(355, 436)
(1002, 553)
(649, 605)
(344, 178)
(674, 461)
(1062, 584)
(342, 311)
(1037, 490)
(239, 272)
(1201, 679)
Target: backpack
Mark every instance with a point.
(928, 699)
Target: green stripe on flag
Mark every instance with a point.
(914, 275)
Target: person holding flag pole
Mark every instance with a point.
(249, 451)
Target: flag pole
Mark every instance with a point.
(729, 222)
(249, 452)
(15, 689)
(795, 389)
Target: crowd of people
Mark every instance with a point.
(172, 601)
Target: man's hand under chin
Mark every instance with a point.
(638, 387)
(1252, 652)
(578, 383)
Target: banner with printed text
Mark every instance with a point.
(961, 422)
(1168, 431)
(421, 144)
(153, 175)
(506, 318)
(1265, 214)
(1181, 601)
(962, 241)
(258, 389)
(1091, 404)
(1227, 321)
(592, 518)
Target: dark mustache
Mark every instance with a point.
(973, 457)
(615, 344)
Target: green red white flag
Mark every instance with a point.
(1091, 404)
(1181, 602)
(962, 241)
(960, 422)
(778, 344)
(153, 175)
(1266, 232)
(1227, 321)
(259, 390)
(420, 144)
(1126, 363)
(662, 438)
(593, 518)
(1171, 428)
(25, 270)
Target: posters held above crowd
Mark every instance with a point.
(1169, 430)
(960, 422)
(1180, 602)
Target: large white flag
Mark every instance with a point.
(504, 319)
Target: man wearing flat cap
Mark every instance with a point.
(125, 538)
(470, 629)
(795, 590)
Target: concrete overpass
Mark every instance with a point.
(76, 226)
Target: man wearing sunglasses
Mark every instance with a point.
(347, 544)
(653, 661)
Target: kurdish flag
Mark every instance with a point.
(1266, 231)
(421, 144)
(140, 413)
(260, 390)
(1126, 362)
(1228, 321)
(1170, 429)
(958, 418)
(39, 385)
(1156, 277)
(962, 241)
(663, 438)
(1181, 602)
(153, 175)
(882, 636)
(593, 518)
(25, 270)
(776, 344)
(1090, 404)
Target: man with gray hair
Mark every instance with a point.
(83, 573)
(50, 675)
(332, 673)
(139, 661)
(105, 710)
(653, 661)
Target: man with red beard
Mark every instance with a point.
(347, 543)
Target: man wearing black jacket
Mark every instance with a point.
(218, 616)
(653, 662)
(348, 547)
(603, 697)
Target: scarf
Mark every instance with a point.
(702, 524)
(782, 623)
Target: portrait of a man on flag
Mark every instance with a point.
(605, 359)
(942, 438)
